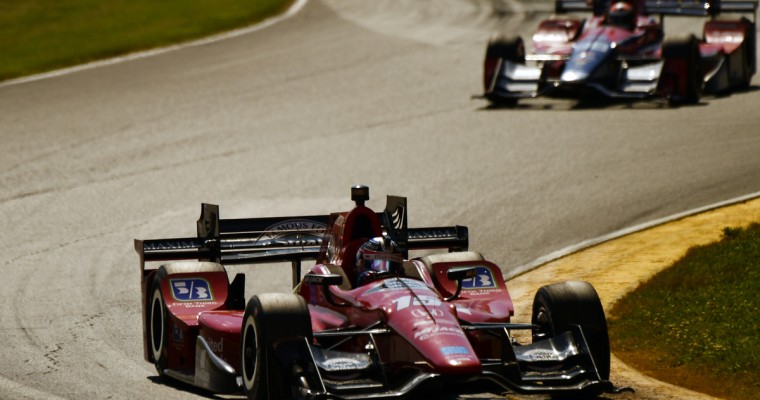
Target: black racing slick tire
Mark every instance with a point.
(682, 59)
(749, 48)
(269, 322)
(499, 49)
(510, 48)
(559, 306)
(158, 327)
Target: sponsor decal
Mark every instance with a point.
(541, 355)
(171, 245)
(217, 346)
(421, 313)
(463, 310)
(453, 350)
(342, 364)
(314, 279)
(203, 304)
(421, 300)
(419, 323)
(396, 284)
(432, 233)
(191, 289)
(483, 280)
(177, 334)
(293, 233)
(437, 330)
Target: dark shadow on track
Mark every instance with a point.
(591, 103)
(187, 388)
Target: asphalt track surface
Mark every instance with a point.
(283, 121)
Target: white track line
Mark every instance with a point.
(297, 6)
(617, 234)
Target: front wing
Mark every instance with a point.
(559, 365)
(516, 80)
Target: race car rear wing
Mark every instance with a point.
(703, 8)
(598, 7)
(694, 8)
(286, 239)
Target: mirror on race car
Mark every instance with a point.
(327, 280)
(458, 275)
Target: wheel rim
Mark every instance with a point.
(543, 325)
(250, 353)
(157, 325)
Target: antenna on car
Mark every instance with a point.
(359, 194)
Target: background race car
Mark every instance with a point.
(621, 52)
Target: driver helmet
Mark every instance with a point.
(621, 14)
(378, 255)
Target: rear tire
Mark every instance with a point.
(748, 69)
(749, 48)
(682, 58)
(557, 307)
(510, 48)
(157, 327)
(270, 319)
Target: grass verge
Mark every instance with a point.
(696, 324)
(41, 35)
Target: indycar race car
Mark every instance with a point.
(620, 52)
(402, 328)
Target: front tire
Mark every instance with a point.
(499, 50)
(270, 319)
(683, 70)
(557, 307)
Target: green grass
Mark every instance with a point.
(40, 35)
(697, 324)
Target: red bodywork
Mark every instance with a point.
(445, 318)
(426, 327)
(413, 307)
(618, 59)
(416, 311)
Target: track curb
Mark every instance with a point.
(618, 263)
(578, 247)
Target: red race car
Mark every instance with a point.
(365, 321)
(621, 52)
